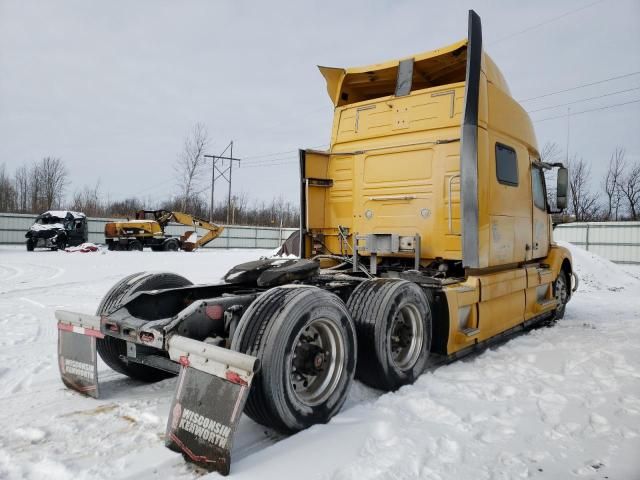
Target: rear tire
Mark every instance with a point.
(171, 245)
(30, 245)
(135, 245)
(393, 321)
(110, 348)
(306, 342)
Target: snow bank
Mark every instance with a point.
(597, 273)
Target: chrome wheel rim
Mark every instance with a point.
(316, 362)
(407, 331)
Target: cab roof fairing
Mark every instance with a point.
(437, 61)
(339, 80)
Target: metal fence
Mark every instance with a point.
(13, 226)
(616, 241)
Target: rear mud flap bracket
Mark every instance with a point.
(213, 387)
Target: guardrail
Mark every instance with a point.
(616, 241)
(13, 226)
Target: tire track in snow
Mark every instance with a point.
(8, 272)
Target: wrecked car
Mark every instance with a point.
(57, 229)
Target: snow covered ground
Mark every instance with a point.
(560, 402)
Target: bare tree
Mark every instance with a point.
(584, 203)
(630, 188)
(551, 153)
(7, 191)
(611, 184)
(124, 208)
(88, 201)
(21, 185)
(35, 188)
(53, 176)
(191, 162)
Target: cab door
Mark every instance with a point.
(540, 223)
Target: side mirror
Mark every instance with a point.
(561, 188)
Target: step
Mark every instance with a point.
(546, 305)
(470, 332)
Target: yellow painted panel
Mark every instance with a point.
(503, 283)
(316, 164)
(500, 314)
(316, 200)
(425, 109)
(339, 200)
(397, 168)
(522, 241)
(502, 240)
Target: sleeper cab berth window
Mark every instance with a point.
(506, 165)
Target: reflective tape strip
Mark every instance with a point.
(237, 405)
(80, 330)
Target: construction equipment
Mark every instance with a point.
(425, 235)
(57, 229)
(148, 230)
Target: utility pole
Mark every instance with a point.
(568, 133)
(230, 171)
(213, 181)
(222, 172)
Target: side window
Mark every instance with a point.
(506, 165)
(537, 187)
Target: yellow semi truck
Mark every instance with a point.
(425, 235)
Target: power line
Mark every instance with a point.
(261, 162)
(269, 154)
(533, 27)
(278, 161)
(273, 154)
(583, 100)
(586, 111)
(122, 198)
(580, 86)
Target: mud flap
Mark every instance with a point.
(213, 387)
(77, 357)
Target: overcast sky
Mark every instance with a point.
(112, 87)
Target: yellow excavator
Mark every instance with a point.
(148, 230)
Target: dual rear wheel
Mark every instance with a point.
(310, 345)
(306, 342)
(393, 320)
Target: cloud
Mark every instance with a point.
(113, 87)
